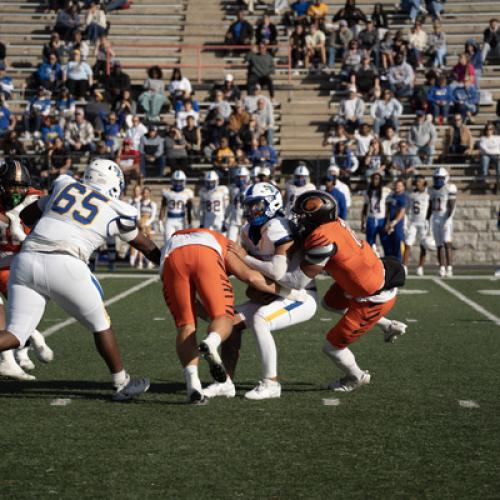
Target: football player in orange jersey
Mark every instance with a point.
(15, 194)
(197, 261)
(365, 286)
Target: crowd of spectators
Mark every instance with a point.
(76, 108)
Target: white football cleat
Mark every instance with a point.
(211, 356)
(420, 271)
(497, 273)
(349, 383)
(134, 387)
(394, 330)
(42, 351)
(23, 359)
(442, 272)
(449, 271)
(14, 371)
(217, 389)
(267, 389)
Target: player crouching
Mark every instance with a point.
(365, 285)
(72, 222)
(197, 261)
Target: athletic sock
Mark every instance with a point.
(8, 357)
(37, 339)
(343, 359)
(266, 345)
(213, 340)
(193, 381)
(383, 323)
(120, 379)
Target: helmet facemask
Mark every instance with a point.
(254, 210)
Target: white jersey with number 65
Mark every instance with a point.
(77, 219)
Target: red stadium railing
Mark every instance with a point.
(199, 65)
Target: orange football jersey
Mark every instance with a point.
(354, 266)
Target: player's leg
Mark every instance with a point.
(12, 361)
(409, 242)
(278, 315)
(217, 296)
(448, 249)
(179, 294)
(371, 231)
(437, 230)
(230, 352)
(71, 285)
(421, 235)
(358, 320)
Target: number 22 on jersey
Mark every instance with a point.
(81, 201)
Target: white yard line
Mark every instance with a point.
(103, 276)
(466, 300)
(112, 300)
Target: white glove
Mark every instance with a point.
(290, 294)
(16, 227)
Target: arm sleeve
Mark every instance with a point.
(274, 268)
(296, 280)
(125, 227)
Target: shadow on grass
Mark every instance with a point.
(78, 389)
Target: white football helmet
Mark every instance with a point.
(178, 180)
(333, 171)
(104, 176)
(301, 175)
(440, 177)
(242, 177)
(262, 202)
(211, 180)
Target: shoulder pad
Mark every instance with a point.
(278, 231)
(124, 209)
(320, 255)
(317, 239)
(452, 189)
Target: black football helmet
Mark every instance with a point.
(314, 208)
(15, 181)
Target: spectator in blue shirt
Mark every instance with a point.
(240, 32)
(440, 97)
(330, 188)
(50, 74)
(7, 119)
(6, 82)
(112, 128)
(264, 155)
(38, 107)
(466, 99)
(51, 130)
(393, 235)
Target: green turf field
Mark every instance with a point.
(403, 436)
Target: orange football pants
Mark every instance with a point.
(4, 280)
(191, 270)
(359, 318)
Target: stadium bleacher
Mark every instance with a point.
(169, 34)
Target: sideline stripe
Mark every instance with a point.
(112, 300)
(466, 300)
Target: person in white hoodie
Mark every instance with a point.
(489, 150)
(386, 111)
